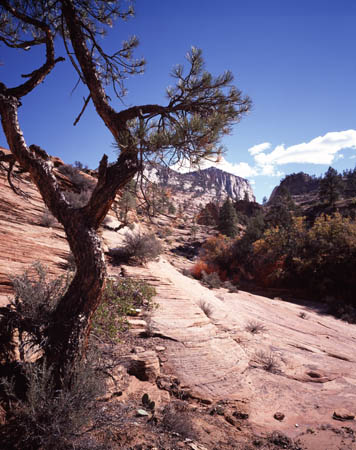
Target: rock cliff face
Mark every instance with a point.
(204, 185)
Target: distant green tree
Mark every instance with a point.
(228, 219)
(264, 200)
(331, 186)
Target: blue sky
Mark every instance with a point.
(296, 59)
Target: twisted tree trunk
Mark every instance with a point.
(69, 327)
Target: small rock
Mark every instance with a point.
(343, 414)
(296, 425)
(142, 412)
(160, 348)
(230, 419)
(240, 415)
(137, 349)
(280, 416)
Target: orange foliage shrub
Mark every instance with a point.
(201, 266)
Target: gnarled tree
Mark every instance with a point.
(200, 109)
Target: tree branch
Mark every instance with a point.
(88, 69)
(37, 76)
(86, 102)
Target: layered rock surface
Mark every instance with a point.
(301, 364)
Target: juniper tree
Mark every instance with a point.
(200, 109)
(228, 219)
(330, 187)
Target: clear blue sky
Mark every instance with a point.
(296, 59)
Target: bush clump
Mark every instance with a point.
(47, 417)
(29, 311)
(177, 419)
(47, 219)
(138, 248)
(121, 298)
(39, 414)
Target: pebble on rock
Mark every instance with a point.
(279, 416)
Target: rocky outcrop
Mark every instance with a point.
(205, 185)
(296, 184)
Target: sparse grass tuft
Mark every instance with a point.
(255, 327)
(266, 361)
(206, 308)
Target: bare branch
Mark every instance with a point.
(86, 102)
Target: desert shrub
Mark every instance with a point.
(215, 250)
(230, 286)
(46, 417)
(47, 219)
(39, 414)
(121, 298)
(177, 419)
(81, 181)
(29, 311)
(212, 280)
(138, 248)
(78, 199)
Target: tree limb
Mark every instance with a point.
(37, 76)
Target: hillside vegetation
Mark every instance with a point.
(304, 241)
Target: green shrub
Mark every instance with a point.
(121, 298)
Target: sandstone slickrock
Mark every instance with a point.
(316, 357)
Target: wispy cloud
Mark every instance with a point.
(320, 150)
(241, 169)
(259, 148)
